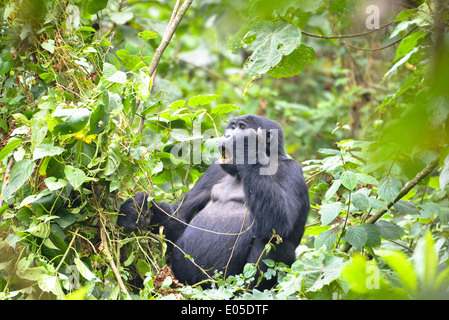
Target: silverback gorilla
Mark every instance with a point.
(230, 214)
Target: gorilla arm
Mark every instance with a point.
(135, 212)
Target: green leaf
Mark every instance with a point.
(202, 100)
(360, 201)
(269, 43)
(329, 212)
(406, 207)
(99, 119)
(357, 236)
(20, 173)
(409, 43)
(389, 230)
(235, 42)
(75, 176)
(142, 84)
(362, 276)
(74, 120)
(46, 148)
(42, 230)
(326, 238)
(121, 17)
(269, 263)
(308, 5)
(365, 179)
(94, 6)
(50, 283)
(79, 294)
(110, 73)
(425, 260)
(389, 188)
(374, 239)
(9, 147)
(66, 218)
(321, 271)
(129, 60)
(147, 35)
(49, 46)
(293, 63)
(249, 270)
(349, 180)
(403, 267)
(85, 272)
(377, 204)
(333, 189)
(224, 108)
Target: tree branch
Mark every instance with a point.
(345, 36)
(408, 186)
(379, 48)
(173, 24)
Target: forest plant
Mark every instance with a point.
(96, 97)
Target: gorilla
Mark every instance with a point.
(234, 209)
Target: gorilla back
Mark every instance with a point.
(231, 213)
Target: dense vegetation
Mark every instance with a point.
(97, 96)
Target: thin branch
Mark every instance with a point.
(168, 34)
(409, 186)
(379, 48)
(67, 251)
(111, 260)
(235, 244)
(345, 36)
(173, 24)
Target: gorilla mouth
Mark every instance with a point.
(226, 156)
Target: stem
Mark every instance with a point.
(175, 20)
(380, 48)
(408, 186)
(111, 261)
(67, 251)
(354, 35)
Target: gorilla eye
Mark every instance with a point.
(242, 126)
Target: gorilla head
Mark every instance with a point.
(251, 140)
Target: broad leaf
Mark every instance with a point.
(389, 188)
(46, 148)
(326, 238)
(329, 212)
(373, 239)
(357, 236)
(269, 43)
(360, 201)
(293, 63)
(20, 173)
(202, 100)
(74, 120)
(9, 147)
(75, 176)
(389, 230)
(349, 180)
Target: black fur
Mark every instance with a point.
(225, 197)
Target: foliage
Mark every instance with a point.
(89, 116)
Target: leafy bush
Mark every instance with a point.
(99, 101)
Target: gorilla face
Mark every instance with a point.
(250, 140)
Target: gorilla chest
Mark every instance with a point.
(228, 189)
(226, 210)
